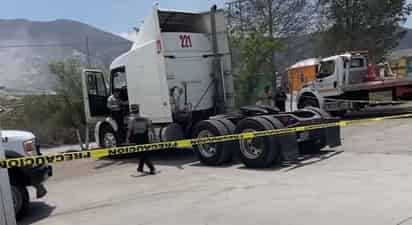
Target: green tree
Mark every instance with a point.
(255, 56)
(71, 114)
(372, 25)
(55, 119)
(257, 28)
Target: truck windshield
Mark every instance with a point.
(327, 68)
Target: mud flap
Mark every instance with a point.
(289, 146)
(332, 136)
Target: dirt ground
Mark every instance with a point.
(368, 180)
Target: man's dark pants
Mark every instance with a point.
(141, 139)
(281, 105)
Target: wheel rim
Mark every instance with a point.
(109, 140)
(251, 148)
(206, 150)
(17, 199)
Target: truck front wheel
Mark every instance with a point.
(108, 138)
(21, 202)
(213, 154)
(307, 102)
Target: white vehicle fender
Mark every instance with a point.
(312, 91)
(111, 122)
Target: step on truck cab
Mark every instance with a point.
(179, 72)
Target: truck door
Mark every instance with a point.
(358, 70)
(327, 78)
(95, 95)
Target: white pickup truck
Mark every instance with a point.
(21, 144)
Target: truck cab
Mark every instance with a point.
(335, 74)
(176, 71)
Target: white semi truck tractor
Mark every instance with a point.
(179, 72)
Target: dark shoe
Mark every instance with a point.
(41, 191)
(153, 172)
(140, 170)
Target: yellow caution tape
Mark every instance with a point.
(99, 153)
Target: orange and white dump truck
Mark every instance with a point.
(179, 72)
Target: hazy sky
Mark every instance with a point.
(117, 16)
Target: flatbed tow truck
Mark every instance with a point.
(348, 82)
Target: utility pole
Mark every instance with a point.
(270, 17)
(270, 24)
(241, 18)
(217, 72)
(88, 52)
(86, 146)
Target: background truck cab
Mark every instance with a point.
(335, 75)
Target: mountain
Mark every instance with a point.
(28, 47)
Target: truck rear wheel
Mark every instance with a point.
(277, 125)
(231, 129)
(258, 152)
(214, 154)
(21, 201)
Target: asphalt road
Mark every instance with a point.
(368, 180)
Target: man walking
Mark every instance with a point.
(280, 100)
(267, 98)
(138, 133)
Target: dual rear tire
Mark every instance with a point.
(260, 152)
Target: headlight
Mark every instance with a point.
(29, 147)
